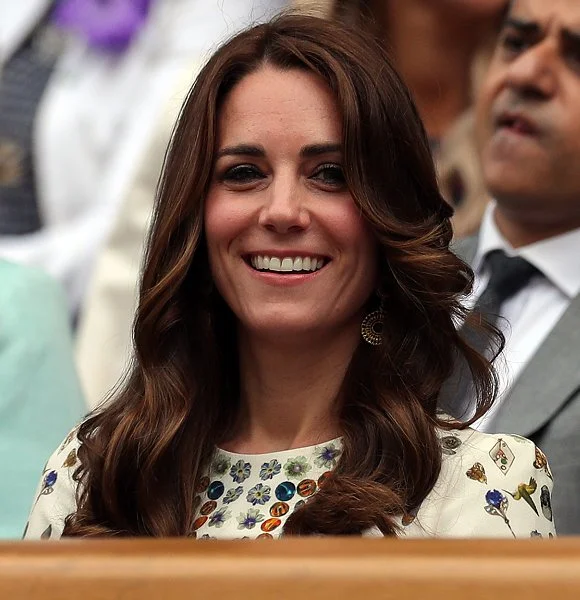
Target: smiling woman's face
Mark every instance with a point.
(289, 251)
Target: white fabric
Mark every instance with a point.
(530, 315)
(246, 495)
(95, 121)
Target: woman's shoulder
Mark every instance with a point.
(504, 451)
(55, 497)
(490, 485)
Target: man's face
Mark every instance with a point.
(528, 112)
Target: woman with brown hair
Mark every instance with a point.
(296, 324)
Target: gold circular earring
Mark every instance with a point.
(373, 324)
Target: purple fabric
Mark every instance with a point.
(108, 25)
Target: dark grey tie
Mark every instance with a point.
(507, 276)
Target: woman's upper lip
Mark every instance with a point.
(512, 118)
(286, 253)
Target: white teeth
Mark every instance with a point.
(286, 264)
(275, 264)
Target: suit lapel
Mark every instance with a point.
(547, 381)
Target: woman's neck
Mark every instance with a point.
(290, 392)
(434, 55)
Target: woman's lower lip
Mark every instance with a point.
(283, 278)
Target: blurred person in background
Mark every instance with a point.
(40, 396)
(526, 255)
(296, 323)
(441, 48)
(84, 84)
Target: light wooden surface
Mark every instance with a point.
(294, 569)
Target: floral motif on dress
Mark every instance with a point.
(249, 519)
(219, 517)
(259, 494)
(233, 494)
(270, 469)
(240, 471)
(450, 444)
(327, 456)
(221, 465)
(296, 468)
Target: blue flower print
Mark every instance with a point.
(233, 494)
(240, 471)
(219, 517)
(296, 468)
(259, 494)
(249, 519)
(327, 456)
(270, 469)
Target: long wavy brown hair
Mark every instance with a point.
(142, 453)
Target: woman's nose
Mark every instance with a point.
(284, 207)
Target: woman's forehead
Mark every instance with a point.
(271, 103)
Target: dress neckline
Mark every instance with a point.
(280, 453)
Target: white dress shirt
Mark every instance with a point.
(529, 315)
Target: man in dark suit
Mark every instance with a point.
(526, 255)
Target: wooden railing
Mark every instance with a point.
(321, 568)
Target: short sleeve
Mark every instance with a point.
(490, 486)
(55, 497)
(518, 495)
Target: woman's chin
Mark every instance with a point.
(286, 330)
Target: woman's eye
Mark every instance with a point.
(331, 175)
(242, 174)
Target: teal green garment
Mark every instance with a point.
(40, 394)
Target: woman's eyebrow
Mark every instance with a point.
(318, 149)
(258, 151)
(241, 150)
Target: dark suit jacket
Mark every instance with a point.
(544, 405)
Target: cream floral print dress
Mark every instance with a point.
(491, 485)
